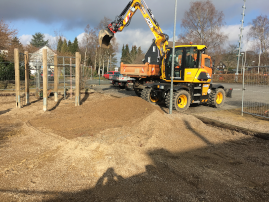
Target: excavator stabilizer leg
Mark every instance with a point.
(105, 36)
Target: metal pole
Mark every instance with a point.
(240, 39)
(243, 85)
(26, 62)
(173, 62)
(260, 55)
(242, 61)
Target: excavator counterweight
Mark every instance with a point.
(105, 37)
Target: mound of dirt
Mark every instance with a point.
(94, 116)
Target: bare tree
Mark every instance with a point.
(92, 53)
(202, 24)
(6, 36)
(259, 33)
(229, 57)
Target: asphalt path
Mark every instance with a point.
(252, 93)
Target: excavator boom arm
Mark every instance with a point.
(124, 20)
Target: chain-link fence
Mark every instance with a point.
(255, 95)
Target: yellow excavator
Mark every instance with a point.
(192, 81)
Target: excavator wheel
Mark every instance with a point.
(138, 91)
(167, 99)
(217, 98)
(147, 95)
(181, 100)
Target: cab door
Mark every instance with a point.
(178, 64)
(207, 64)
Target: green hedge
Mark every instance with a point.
(7, 71)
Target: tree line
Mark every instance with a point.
(93, 57)
(202, 23)
(134, 56)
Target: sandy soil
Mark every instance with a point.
(124, 149)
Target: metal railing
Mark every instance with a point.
(255, 95)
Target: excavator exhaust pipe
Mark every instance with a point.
(105, 37)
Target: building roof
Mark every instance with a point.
(37, 57)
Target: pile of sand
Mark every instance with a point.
(94, 116)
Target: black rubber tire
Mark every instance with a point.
(212, 101)
(176, 96)
(167, 99)
(122, 87)
(146, 95)
(138, 91)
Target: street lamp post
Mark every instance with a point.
(240, 40)
(173, 62)
(242, 61)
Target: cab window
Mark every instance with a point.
(207, 62)
(191, 58)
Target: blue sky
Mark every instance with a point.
(69, 18)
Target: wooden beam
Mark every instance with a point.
(17, 77)
(45, 81)
(77, 94)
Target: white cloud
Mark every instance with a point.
(136, 37)
(80, 37)
(233, 33)
(25, 39)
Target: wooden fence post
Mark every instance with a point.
(55, 78)
(17, 78)
(77, 96)
(26, 61)
(45, 81)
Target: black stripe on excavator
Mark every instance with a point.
(126, 9)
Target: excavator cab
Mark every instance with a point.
(185, 58)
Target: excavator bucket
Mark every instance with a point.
(104, 38)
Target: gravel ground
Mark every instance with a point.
(124, 149)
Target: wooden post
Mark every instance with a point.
(17, 78)
(26, 61)
(45, 81)
(55, 78)
(77, 96)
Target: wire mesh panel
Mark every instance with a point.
(66, 75)
(256, 91)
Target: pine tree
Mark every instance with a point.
(70, 46)
(38, 40)
(59, 45)
(133, 53)
(64, 48)
(75, 47)
(15, 43)
(139, 51)
(123, 54)
(126, 58)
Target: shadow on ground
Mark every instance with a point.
(57, 104)
(5, 111)
(232, 171)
